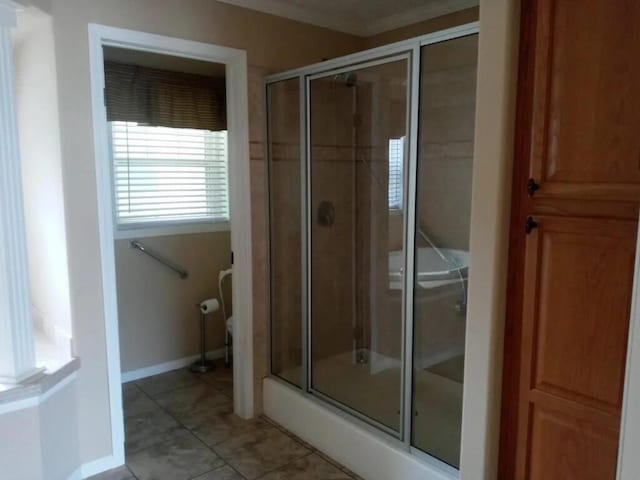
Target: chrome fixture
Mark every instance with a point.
(461, 307)
(159, 258)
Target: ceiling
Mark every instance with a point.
(358, 17)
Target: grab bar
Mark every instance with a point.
(427, 239)
(156, 256)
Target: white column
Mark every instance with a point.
(17, 358)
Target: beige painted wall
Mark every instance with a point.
(269, 42)
(41, 162)
(272, 44)
(422, 28)
(59, 432)
(158, 319)
(489, 242)
(43, 441)
(20, 455)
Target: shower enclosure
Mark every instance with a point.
(370, 163)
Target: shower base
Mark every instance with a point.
(374, 392)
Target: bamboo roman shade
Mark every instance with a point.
(155, 97)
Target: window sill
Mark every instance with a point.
(165, 230)
(37, 389)
(55, 364)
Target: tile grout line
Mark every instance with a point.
(184, 427)
(309, 449)
(313, 449)
(282, 466)
(194, 375)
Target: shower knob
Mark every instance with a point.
(326, 214)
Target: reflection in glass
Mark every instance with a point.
(358, 122)
(285, 229)
(445, 164)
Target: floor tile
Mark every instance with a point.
(348, 472)
(167, 381)
(258, 452)
(166, 435)
(135, 401)
(224, 385)
(119, 473)
(287, 432)
(311, 467)
(222, 473)
(147, 428)
(180, 457)
(192, 399)
(220, 372)
(219, 424)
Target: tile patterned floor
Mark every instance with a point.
(181, 426)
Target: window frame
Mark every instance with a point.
(397, 210)
(162, 227)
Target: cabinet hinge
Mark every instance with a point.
(530, 224)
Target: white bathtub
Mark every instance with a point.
(432, 269)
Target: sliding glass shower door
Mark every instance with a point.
(357, 130)
(370, 169)
(443, 211)
(286, 246)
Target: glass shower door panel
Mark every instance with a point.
(358, 126)
(443, 205)
(285, 230)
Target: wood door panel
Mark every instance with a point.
(565, 448)
(570, 280)
(586, 112)
(578, 317)
(578, 279)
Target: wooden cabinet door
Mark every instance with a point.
(570, 279)
(586, 107)
(578, 277)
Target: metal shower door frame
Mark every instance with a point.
(411, 51)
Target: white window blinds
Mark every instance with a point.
(396, 176)
(168, 175)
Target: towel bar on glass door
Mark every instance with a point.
(156, 256)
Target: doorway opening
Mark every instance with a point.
(171, 141)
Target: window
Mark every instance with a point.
(168, 176)
(396, 172)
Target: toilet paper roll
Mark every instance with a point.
(209, 306)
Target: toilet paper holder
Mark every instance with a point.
(202, 365)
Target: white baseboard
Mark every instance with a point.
(167, 366)
(95, 467)
(98, 466)
(76, 475)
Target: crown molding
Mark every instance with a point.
(344, 24)
(415, 15)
